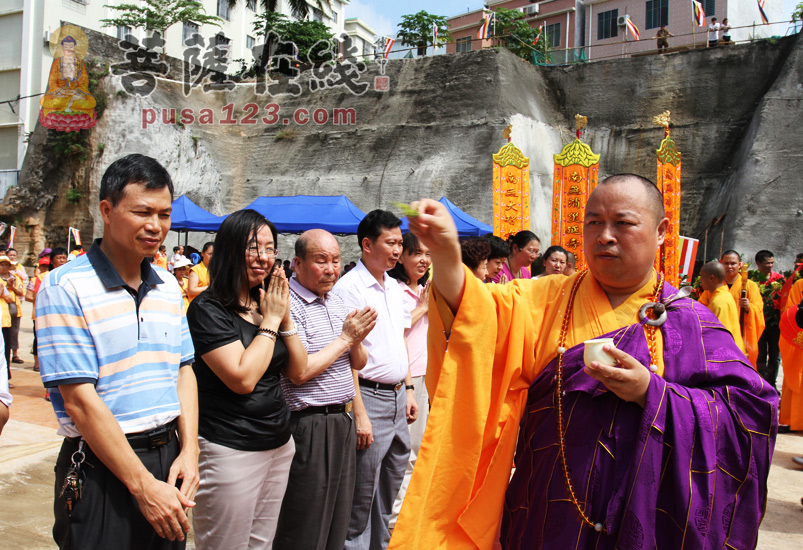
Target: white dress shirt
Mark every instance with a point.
(387, 352)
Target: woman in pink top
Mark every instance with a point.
(412, 272)
(524, 247)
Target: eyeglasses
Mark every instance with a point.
(256, 251)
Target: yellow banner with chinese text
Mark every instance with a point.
(576, 173)
(511, 191)
(668, 182)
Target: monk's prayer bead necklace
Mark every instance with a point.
(564, 329)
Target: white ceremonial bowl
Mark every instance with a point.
(593, 352)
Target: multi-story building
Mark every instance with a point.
(606, 36)
(361, 43)
(25, 58)
(563, 24)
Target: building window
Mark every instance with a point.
(222, 47)
(553, 35)
(251, 5)
(657, 14)
(334, 16)
(190, 29)
(123, 32)
(317, 15)
(463, 44)
(607, 26)
(250, 41)
(710, 7)
(223, 9)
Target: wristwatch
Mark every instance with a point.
(409, 387)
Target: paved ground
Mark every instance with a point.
(29, 445)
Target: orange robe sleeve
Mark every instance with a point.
(458, 505)
(792, 360)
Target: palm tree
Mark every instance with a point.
(299, 9)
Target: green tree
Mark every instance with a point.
(299, 9)
(417, 30)
(310, 38)
(514, 33)
(160, 15)
(797, 14)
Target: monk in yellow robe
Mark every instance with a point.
(608, 456)
(68, 84)
(792, 360)
(752, 306)
(712, 279)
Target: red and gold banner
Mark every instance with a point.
(668, 182)
(511, 190)
(576, 173)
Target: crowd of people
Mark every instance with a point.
(288, 403)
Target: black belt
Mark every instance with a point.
(154, 438)
(381, 385)
(327, 409)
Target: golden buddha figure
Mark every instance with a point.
(67, 105)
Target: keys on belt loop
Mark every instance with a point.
(73, 483)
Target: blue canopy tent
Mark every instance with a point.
(336, 214)
(466, 225)
(188, 216)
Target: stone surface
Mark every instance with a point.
(736, 117)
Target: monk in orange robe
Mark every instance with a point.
(671, 404)
(712, 279)
(752, 305)
(792, 360)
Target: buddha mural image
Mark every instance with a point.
(67, 105)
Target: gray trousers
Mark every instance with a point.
(317, 504)
(380, 469)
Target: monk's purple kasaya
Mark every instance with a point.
(687, 471)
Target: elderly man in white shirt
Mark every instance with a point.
(385, 402)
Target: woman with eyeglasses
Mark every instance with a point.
(244, 338)
(524, 247)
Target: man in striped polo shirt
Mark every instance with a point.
(317, 505)
(116, 355)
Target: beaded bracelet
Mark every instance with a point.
(287, 333)
(272, 334)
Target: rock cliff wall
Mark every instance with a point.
(736, 116)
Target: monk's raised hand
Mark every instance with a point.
(434, 226)
(629, 379)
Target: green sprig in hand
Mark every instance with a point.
(406, 209)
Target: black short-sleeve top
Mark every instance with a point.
(257, 421)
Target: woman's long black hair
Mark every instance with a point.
(227, 268)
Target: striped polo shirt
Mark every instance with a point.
(93, 328)
(319, 321)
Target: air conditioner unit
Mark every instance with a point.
(622, 21)
(531, 10)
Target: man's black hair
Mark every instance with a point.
(58, 251)
(134, 168)
(374, 223)
(763, 255)
(499, 248)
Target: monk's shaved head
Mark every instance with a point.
(713, 269)
(655, 200)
